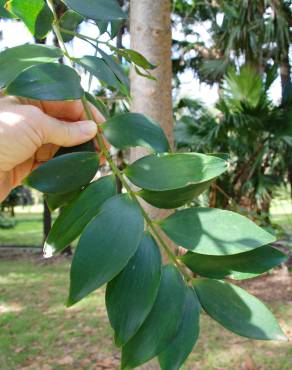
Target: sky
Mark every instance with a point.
(15, 33)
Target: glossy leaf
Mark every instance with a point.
(101, 10)
(98, 68)
(70, 21)
(174, 198)
(237, 310)
(35, 14)
(64, 174)
(134, 129)
(214, 231)
(50, 81)
(183, 343)
(55, 201)
(17, 59)
(73, 219)
(237, 266)
(162, 323)
(174, 171)
(106, 246)
(131, 295)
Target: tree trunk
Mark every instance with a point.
(150, 30)
(47, 220)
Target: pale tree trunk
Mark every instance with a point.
(150, 29)
(151, 36)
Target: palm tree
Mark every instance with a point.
(247, 126)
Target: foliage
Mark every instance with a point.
(112, 233)
(243, 111)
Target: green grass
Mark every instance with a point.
(27, 232)
(38, 333)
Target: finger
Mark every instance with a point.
(67, 134)
(46, 152)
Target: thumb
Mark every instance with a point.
(68, 134)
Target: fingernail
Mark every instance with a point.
(89, 128)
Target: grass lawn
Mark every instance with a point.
(38, 333)
(27, 232)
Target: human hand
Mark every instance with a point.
(32, 131)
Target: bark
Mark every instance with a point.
(47, 220)
(150, 29)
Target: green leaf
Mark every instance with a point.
(73, 219)
(4, 13)
(106, 246)
(134, 129)
(237, 310)
(174, 171)
(85, 147)
(131, 295)
(98, 68)
(101, 10)
(70, 21)
(237, 266)
(116, 68)
(50, 81)
(133, 56)
(182, 345)
(64, 174)
(161, 324)
(173, 198)
(17, 59)
(214, 231)
(116, 27)
(55, 201)
(35, 14)
(102, 26)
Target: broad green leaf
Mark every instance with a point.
(101, 10)
(98, 104)
(237, 266)
(98, 68)
(116, 68)
(162, 323)
(174, 198)
(134, 129)
(70, 21)
(237, 310)
(50, 81)
(35, 14)
(64, 174)
(73, 218)
(106, 246)
(174, 171)
(183, 343)
(55, 201)
(131, 295)
(17, 59)
(4, 13)
(215, 232)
